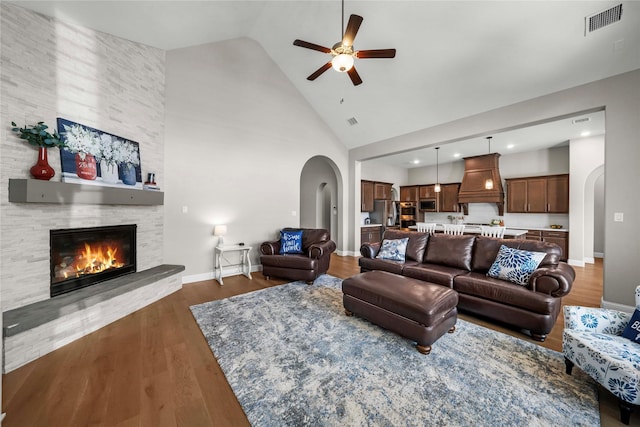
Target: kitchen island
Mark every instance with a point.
(509, 233)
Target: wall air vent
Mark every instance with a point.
(581, 120)
(602, 19)
(352, 121)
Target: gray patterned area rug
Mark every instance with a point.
(293, 358)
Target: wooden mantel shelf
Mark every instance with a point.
(38, 191)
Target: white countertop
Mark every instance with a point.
(474, 229)
(370, 225)
(566, 230)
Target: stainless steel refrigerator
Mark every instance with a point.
(385, 212)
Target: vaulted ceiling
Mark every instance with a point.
(454, 58)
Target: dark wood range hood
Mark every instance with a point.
(477, 170)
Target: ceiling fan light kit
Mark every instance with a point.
(342, 63)
(343, 53)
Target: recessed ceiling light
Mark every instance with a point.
(585, 133)
(415, 162)
(456, 155)
(510, 146)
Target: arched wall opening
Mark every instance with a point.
(320, 194)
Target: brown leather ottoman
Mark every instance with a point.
(417, 310)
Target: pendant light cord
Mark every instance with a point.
(437, 165)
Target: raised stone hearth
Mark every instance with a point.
(36, 329)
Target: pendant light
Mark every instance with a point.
(437, 186)
(488, 184)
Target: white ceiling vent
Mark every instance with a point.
(581, 120)
(602, 19)
(352, 121)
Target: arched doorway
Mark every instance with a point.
(320, 195)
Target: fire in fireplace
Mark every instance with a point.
(83, 257)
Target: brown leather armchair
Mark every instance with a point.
(317, 247)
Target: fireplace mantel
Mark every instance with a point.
(38, 191)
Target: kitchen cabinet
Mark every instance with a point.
(448, 198)
(409, 193)
(370, 234)
(534, 235)
(382, 190)
(541, 194)
(427, 192)
(558, 194)
(560, 238)
(366, 196)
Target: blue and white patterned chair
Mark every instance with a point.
(592, 339)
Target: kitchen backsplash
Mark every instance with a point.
(363, 216)
(483, 213)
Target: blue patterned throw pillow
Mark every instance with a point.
(290, 242)
(393, 250)
(515, 265)
(632, 331)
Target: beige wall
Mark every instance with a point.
(238, 135)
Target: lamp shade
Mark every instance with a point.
(220, 230)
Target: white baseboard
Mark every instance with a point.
(577, 263)
(228, 271)
(616, 306)
(197, 277)
(598, 254)
(588, 260)
(348, 253)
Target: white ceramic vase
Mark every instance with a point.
(109, 172)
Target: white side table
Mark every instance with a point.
(244, 264)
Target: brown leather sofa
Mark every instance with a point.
(462, 262)
(317, 248)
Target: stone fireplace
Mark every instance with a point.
(87, 83)
(74, 271)
(83, 257)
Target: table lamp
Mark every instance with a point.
(220, 231)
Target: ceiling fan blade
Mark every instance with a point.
(312, 46)
(319, 71)
(376, 53)
(355, 77)
(352, 29)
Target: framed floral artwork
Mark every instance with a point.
(91, 156)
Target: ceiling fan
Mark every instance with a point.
(343, 52)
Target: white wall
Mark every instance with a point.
(237, 137)
(598, 218)
(373, 171)
(587, 164)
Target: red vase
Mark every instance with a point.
(42, 170)
(86, 168)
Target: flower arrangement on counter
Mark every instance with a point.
(456, 219)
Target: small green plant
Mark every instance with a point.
(38, 135)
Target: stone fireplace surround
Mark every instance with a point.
(38, 324)
(101, 81)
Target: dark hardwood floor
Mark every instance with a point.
(154, 368)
